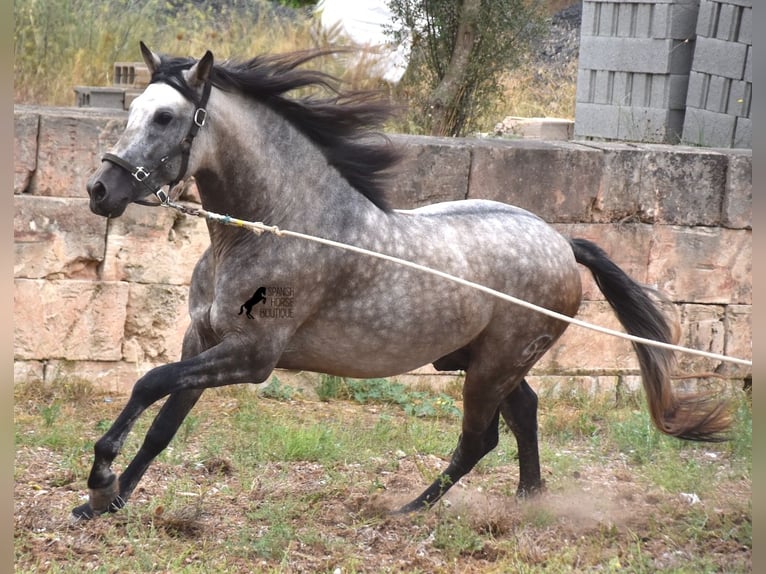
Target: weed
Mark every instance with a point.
(277, 390)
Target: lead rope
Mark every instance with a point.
(258, 228)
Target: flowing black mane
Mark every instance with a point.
(343, 125)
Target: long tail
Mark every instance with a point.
(692, 416)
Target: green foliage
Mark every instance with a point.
(383, 391)
(504, 31)
(277, 390)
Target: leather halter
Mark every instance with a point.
(144, 176)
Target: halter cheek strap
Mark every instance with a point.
(144, 176)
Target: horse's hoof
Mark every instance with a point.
(525, 492)
(105, 498)
(81, 513)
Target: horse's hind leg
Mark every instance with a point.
(519, 409)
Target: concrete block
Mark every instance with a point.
(707, 17)
(708, 129)
(688, 184)
(25, 128)
(717, 94)
(652, 125)
(154, 245)
(738, 200)
(71, 320)
(434, 169)
(647, 55)
(596, 120)
(728, 22)
(745, 33)
(702, 264)
(720, 58)
(557, 182)
(696, 93)
(747, 75)
(70, 147)
(676, 20)
(738, 99)
(57, 238)
(743, 133)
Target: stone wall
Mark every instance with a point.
(105, 300)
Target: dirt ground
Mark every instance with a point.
(602, 512)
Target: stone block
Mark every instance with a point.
(433, 170)
(70, 147)
(154, 245)
(708, 129)
(72, 320)
(556, 182)
(738, 200)
(738, 327)
(627, 245)
(582, 351)
(743, 133)
(621, 197)
(25, 128)
(156, 319)
(702, 328)
(688, 184)
(115, 377)
(702, 264)
(57, 238)
(720, 58)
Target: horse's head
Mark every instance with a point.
(154, 150)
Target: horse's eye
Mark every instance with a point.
(163, 118)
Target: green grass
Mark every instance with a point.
(283, 483)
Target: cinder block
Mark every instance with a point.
(707, 17)
(720, 58)
(588, 19)
(706, 128)
(676, 19)
(717, 94)
(748, 73)
(728, 20)
(696, 93)
(739, 98)
(745, 35)
(596, 120)
(743, 133)
(652, 125)
(654, 56)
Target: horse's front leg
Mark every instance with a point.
(185, 380)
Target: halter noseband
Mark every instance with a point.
(183, 148)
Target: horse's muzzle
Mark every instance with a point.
(109, 193)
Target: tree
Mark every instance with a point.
(460, 48)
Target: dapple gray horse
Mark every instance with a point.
(318, 165)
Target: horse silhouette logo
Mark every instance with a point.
(258, 297)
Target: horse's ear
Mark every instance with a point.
(151, 59)
(200, 71)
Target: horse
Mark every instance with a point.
(320, 163)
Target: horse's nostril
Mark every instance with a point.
(97, 190)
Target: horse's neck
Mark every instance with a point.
(263, 169)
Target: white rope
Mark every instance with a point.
(259, 228)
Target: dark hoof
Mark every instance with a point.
(82, 512)
(524, 492)
(106, 498)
